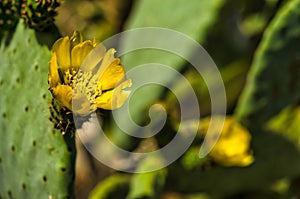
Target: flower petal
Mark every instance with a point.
(94, 57)
(115, 98)
(79, 53)
(53, 78)
(76, 38)
(62, 48)
(63, 94)
(110, 72)
(113, 74)
(107, 60)
(232, 147)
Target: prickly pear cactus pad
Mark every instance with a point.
(35, 161)
(273, 81)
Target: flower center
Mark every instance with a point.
(86, 84)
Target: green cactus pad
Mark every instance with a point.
(273, 81)
(35, 161)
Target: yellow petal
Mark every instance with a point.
(247, 160)
(107, 60)
(115, 98)
(110, 72)
(76, 38)
(240, 160)
(53, 78)
(95, 42)
(63, 94)
(232, 147)
(113, 74)
(62, 48)
(94, 57)
(79, 53)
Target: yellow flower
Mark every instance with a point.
(232, 147)
(83, 76)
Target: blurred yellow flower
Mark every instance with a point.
(233, 145)
(85, 73)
